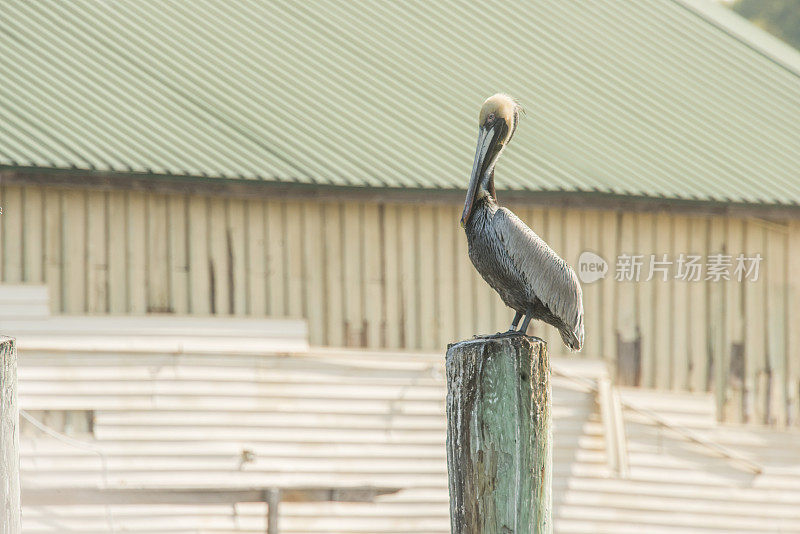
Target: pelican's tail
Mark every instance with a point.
(572, 340)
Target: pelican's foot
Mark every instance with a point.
(507, 333)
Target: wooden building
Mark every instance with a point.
(253, 160)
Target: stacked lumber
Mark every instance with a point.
(230, 419)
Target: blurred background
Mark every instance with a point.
(231, 257)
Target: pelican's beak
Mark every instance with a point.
(485, 138)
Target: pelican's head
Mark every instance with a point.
(497, 123)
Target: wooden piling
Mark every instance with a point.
(9, 439)
(499, 436)
(273, 498)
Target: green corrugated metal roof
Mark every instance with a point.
(665, 98)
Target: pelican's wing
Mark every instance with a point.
(552, 280)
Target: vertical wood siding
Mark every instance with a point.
(398, 276)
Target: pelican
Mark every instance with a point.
(527, 274)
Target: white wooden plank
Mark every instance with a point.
(24, 300)
(136, 253)
(774, 270)
(662, 303)
(256, 255)
(645, 292)
(21, 293)
(2, 230)
(792, 319)
(734, 327)
(314, 276)
(237, 237)
(573, 238)
(294, 259)
(609, 252)
(219, 257)
(352, 234)
(592, 295)
(718, 351)
(680, 299)
(117, 252)
(12, 236)
(74, 250)
(157, 265)
(199, 276)
(698, 309)
(391, 236)
(33, 238)
(334, 294)
(626, 327)
(409, 282)
(97, 255)
(276, 250)
(372, 270)
(428, 306)
(178, 250)
(65, 327)
(756, 393)
(158, 334)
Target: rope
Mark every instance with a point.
(682, 431)
(78, 444)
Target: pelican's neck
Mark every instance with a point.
(485, 199)
(484, 208)
(486, 188)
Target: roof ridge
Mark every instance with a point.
(747, 33)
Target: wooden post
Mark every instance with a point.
(9, 439)
(273, 498)
(499, 439)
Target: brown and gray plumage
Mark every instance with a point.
(527, 274)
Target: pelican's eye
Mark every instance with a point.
(490, 118)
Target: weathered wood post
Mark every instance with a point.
(273, 498)
(499, 439)
(9, 439)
